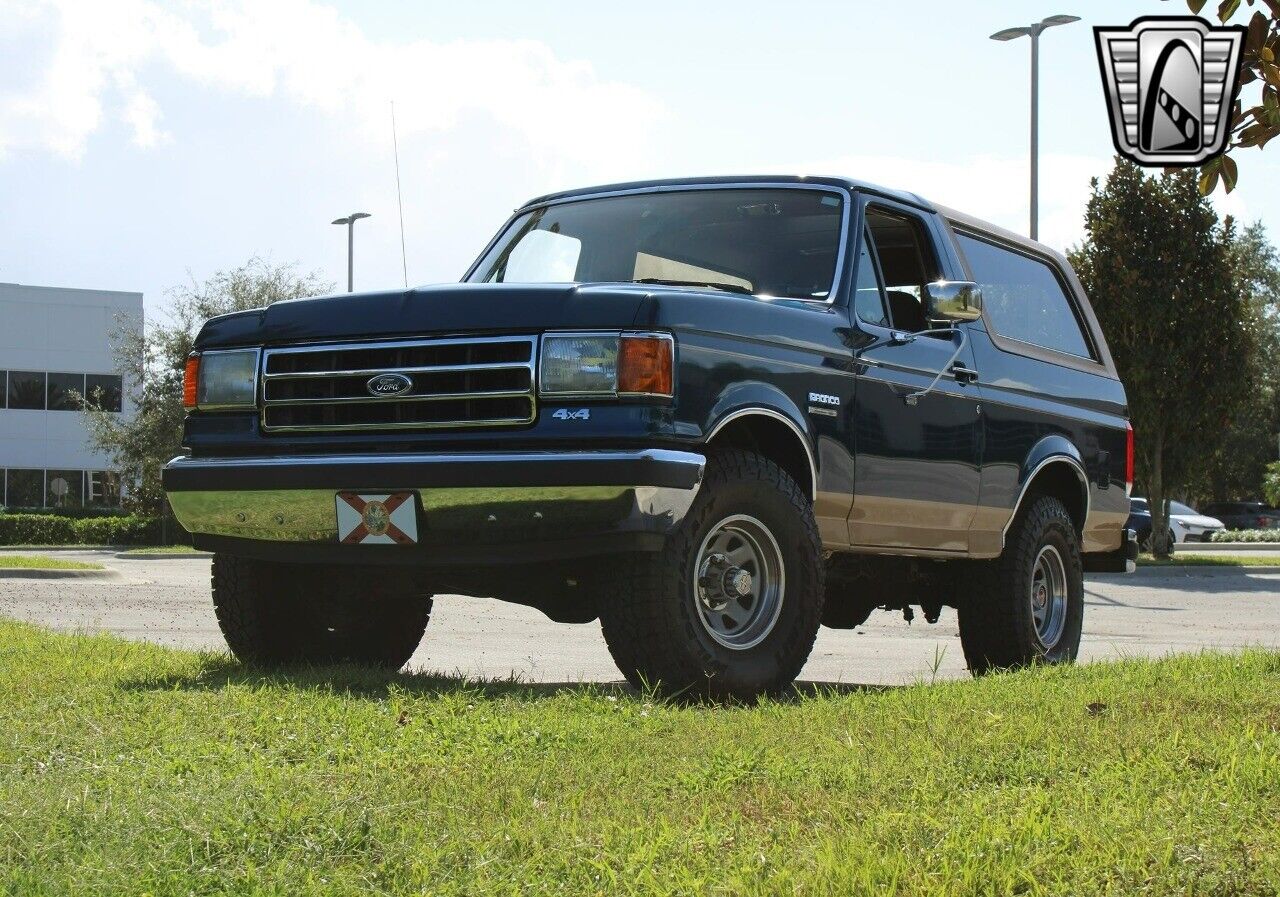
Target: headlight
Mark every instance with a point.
(607, 364)
(216, 380)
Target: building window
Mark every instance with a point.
(4, 389)
(26, 390)
(103, 488)
(24, 488)
(64, 391)
(64, 488)
(104, 390)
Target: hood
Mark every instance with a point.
(1196, 519)
(430, 311)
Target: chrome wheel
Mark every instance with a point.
(739, 582)
(1049, 596)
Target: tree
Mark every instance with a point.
(1234, 469)
(1271, 484)
(151, 362)
(1155, 262)
(1257, 124)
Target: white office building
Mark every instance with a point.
(55, 344)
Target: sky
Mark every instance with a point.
(143, 144)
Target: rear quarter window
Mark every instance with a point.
(1024, 298)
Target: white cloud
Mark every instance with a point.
(103, 55)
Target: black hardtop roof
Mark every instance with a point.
(732, 180)
(851, 184)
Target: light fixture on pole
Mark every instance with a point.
(350, 222)
(1034, 31)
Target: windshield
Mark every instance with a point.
(772, 242)
(1177, 507)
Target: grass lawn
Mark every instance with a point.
(161, 549)
(41, 547)
(41, 562)
(1211, 560)
(129, 768)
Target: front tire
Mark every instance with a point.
(272, 613)
(730, 607)
(1028, 605)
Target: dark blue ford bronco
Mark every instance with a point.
(714, 414)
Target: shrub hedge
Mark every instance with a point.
(1248, 535)
(69, 512)
(54, 529)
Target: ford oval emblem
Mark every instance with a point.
(386, 385)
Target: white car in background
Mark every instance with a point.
(1185, 522)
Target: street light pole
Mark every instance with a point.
(350, 222)
(1035, 134)
(1034, 32)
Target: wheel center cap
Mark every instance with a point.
(1041, 596)
(737, 582)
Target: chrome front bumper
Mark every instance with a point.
(464, 498)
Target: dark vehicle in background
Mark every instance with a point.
(714, 414)
(1140, 521)
(1244, 514)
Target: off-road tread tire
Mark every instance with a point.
(649, 621)
(997, 628)
(274, 614)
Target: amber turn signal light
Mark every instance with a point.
(644, 366)
(190, 380)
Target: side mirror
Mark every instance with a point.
(953, 300)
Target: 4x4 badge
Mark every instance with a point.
(1171, 82)
(568, 414)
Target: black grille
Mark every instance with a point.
(448, 383)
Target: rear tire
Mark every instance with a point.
(1027, 606)
(273, 613)
(730, 607)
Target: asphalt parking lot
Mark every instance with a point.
(1151, 613)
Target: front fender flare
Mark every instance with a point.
(757, 398)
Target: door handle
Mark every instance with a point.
(963, 374)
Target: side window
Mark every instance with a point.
(907, 263)
(1024, 298)
(868, 297)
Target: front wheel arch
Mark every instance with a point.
(770, 434)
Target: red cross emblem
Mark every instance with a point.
(375, 518)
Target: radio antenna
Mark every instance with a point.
(395, 148)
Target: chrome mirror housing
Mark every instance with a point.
(953, 300)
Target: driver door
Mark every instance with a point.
(917, 469)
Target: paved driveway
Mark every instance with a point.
(1151, 613)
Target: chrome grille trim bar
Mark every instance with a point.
(430, 369)
(433, 397)
(484, 416)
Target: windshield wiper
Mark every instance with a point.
(711, 284)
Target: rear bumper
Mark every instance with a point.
(1123, 560)
(471, 507)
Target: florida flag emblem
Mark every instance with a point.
(377, 519)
